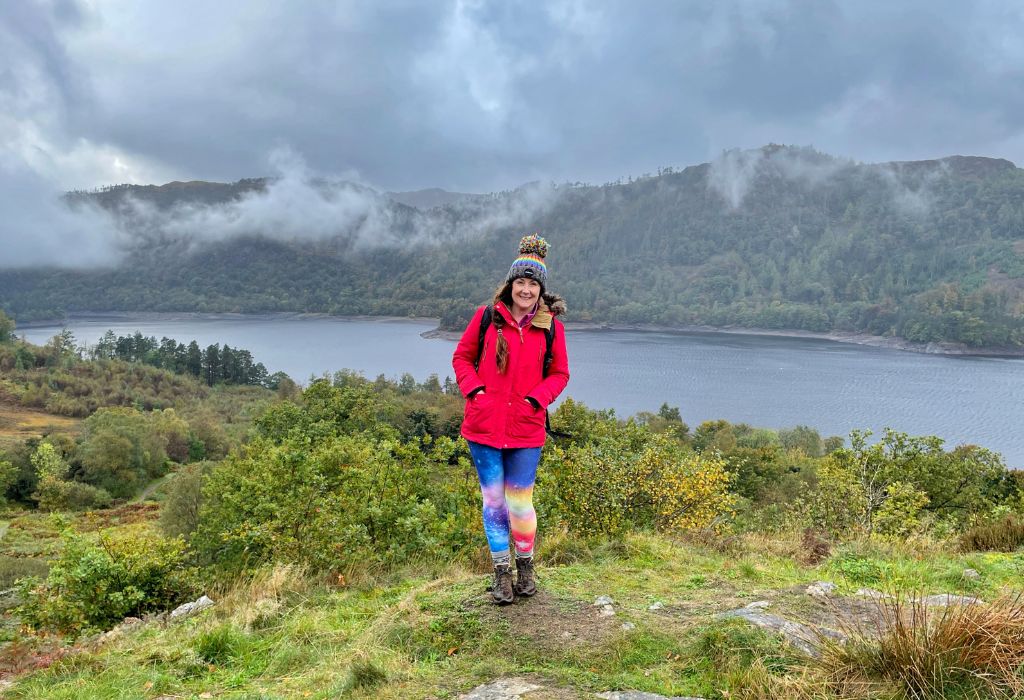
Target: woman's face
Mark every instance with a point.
(525, 293)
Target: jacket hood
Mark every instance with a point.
(555, 303)
(551, 305)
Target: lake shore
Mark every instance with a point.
(887, 342)
(866, 339)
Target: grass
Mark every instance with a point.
(923, 652)
(18, 424)
(429, 631)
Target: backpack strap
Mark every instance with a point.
(549, 337)
(485, 321)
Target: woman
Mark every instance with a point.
(509, 379)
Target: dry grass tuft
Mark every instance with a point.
(1004, 535)
(255, 601)
(815, 547)
(927, 651)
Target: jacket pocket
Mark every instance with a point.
(527, 422)
(478, 413)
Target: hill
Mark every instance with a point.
(779, 237)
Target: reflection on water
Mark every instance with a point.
(765, 381)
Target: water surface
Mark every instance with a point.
(761, 380)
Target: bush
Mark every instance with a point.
(180, 512)
(122, 448)
(614, 484)
(59, 494)
(1004, 535)
(95, 584)
(315, 490)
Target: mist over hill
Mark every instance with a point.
(777, 237)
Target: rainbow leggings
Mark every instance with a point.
(506, 483)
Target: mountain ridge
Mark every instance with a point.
(778, 237)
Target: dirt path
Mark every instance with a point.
(152, 487)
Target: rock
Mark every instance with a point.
(801, 636)
(951, 599)
(758, 605)
(873, 594)
(566, 635)
(501, 689)
(607, 611)
(640, 695)
(603, 600)
(112, 634)
(971, 574)
(186, 609)
(657, 605)
(627, 626)
(821, 589)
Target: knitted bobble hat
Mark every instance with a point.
(530, 263)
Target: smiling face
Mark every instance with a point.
(525, 293)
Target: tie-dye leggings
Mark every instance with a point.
(506, 483)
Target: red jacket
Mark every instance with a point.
(501, 416)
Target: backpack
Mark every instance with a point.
(485, 321)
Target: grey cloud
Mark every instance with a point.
(298, 204)
(38, 229)
(482, 95)
(732, 174)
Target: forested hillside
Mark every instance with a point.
(780, 238)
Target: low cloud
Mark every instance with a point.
(300, 205)
(296, 205)
(38, 229)
(733, 173)
(912, 191)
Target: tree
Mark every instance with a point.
(8, 477)
(6, 328)
(670, 413)
(194, 359)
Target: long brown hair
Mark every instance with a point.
(503, 294)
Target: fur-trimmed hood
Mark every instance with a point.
(551, 305)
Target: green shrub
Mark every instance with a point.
(179, 514)
(634, 478)
(122, 448)
(900, 513)
(94, 584)
(1004, 535)
(313, 489)
(59, 494)
(859, 569)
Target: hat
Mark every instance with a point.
(530, 263)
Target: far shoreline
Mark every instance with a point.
(865, 339)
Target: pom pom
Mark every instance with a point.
(533, 245)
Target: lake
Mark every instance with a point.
(766, 381)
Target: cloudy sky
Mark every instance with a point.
(477, 96)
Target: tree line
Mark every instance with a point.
(213, 364)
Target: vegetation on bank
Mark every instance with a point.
(338, 528)
(926, 251)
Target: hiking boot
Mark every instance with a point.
(526, 585)
(501, 591)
